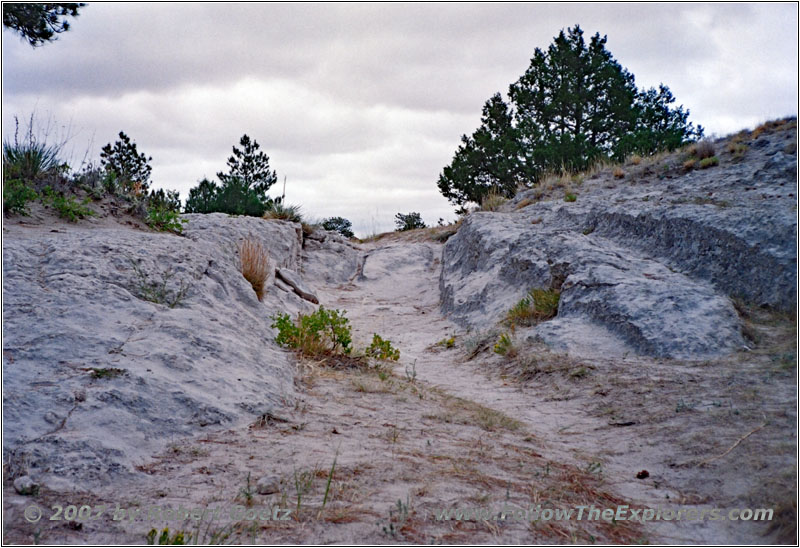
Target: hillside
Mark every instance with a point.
(141, 370)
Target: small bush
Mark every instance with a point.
(702, 150)
(164, 219)
(505, 346)
(709, 162)
(382, 349)
(284, 212)
(16, 195)
(67, 208)
(254, 265)
(321, 333)
(537, 306)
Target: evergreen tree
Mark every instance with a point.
(488, 161)
(408, 221)
(202, 198)
(250, 167)
(130, 168)
(39, 23)
(574, 105)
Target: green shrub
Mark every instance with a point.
(709, 162)
(538, 305)
(570, 197)
(16, 195)
(505, 346)
(165, 219)
(67, 207)
(321, 333)
(340, 225)
(382, 349)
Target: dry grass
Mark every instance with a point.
(619, 173)
(702, 150)
(537, 306)
(493, 201)
(254, 264)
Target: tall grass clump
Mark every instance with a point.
(284, 212)
(31, 158)
(493, 201)
(254, 264)
(537, 306)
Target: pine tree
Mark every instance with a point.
(39, 23)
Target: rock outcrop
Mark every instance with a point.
(648, 264)
(117, 341)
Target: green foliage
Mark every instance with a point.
(163, 211)
(243, 190)
(159, 291)
(538, 305)
(321, 333)
(16, 195)
(131, 170)
(107, 372)
(574, 105)
(340, 225)
(709, 162)
(164, 539)
(569, 197)
(39, 23)
(504, 345)
(67, 207)
(409, 221)
(382, 349)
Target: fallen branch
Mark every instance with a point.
(732, 447)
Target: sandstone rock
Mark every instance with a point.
(293, 279)
(268, 485)
(652, 263)
(26, 486)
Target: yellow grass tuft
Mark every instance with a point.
(254, 264)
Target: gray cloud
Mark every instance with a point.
(361, 105)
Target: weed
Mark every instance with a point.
(397, 515)
(16, 195)
(709, 162)
(67, 208)
(107, 372)
(411, 373)
(158, 291)
(328, 483)
(321, 333)
(537, 306)
(165, 539)
(505, 346)
(588, 230)
(30, 159)
(382, 349)
(447, 343)
(254, 264)
(569, 197)
(302, 485)
(164, 219)
(246, 492)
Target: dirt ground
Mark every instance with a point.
(372, 455)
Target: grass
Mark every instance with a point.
(254, 264)
(537, 306)
(284, 213)
(619, 173)
(702, 150)
(492, 202)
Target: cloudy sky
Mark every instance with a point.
(360, 106)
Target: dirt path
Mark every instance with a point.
(374, 455)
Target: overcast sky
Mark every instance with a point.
(360, 106)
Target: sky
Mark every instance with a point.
(360, 106)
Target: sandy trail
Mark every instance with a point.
(439, 433)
